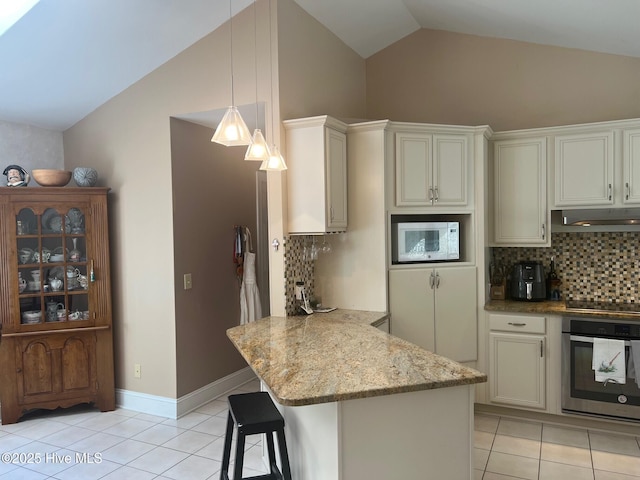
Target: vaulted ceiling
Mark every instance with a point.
(65, 58)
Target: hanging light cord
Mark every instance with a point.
(273, 132)
(255, 52)
(233, 100)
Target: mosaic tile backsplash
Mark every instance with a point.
(594, 266)
(298, 267)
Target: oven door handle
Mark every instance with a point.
(579, 338)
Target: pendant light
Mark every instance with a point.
(258, 149)
(232, 130)
(275, 162)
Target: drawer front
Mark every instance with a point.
(517, 323)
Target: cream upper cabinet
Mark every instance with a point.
(584, 169)
(631, 166)
(520, 215)
(435, 308)
(431, 169)
(316, 157)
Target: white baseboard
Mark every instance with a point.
(175, 408)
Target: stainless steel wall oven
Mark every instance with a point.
(581, 393)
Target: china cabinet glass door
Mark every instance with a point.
(54, 268)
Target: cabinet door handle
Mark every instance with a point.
(610, 192)
(541, 349)
(628, 191)
(331, 213)
(437, 280)
(431, 195)
(432, 280)
(544, 232)
(437, 195)
(517, 324)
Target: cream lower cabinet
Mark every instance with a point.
(520, 214)
(435, 308)
(517, 359)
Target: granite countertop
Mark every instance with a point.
(329, 357)
(515, 306)
(555, 308)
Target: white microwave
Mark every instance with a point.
(426, 242)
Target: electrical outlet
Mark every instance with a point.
(187, 281)
(137, 373)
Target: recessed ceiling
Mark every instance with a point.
(63, 59)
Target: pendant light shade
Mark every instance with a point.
(232, 131)
(275, 163)
(258, 149)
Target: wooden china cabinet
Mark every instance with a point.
(55, 305)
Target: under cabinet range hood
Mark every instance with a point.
(601, 216)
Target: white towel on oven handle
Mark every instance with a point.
(608, 360)
(634, 359)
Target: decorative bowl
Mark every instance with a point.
(50, 177)
(85, 176)
(31, 316)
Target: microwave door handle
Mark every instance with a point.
(579, 338)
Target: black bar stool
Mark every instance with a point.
(255, 413)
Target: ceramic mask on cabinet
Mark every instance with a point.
(22, 283)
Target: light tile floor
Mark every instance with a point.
(84, 444)
(81, 443)
(508, 449)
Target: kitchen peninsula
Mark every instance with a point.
(360, 403)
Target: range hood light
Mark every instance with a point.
(601, 216)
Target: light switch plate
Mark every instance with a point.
(187, 281)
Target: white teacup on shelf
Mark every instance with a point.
(25, 255)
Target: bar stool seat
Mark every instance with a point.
(254, 413)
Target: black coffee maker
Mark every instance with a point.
(528, 281)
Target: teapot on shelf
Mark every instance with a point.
(55, 284)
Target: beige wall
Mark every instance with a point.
(213, 190)
(319, 75)
(128, 141)
(443, 77)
